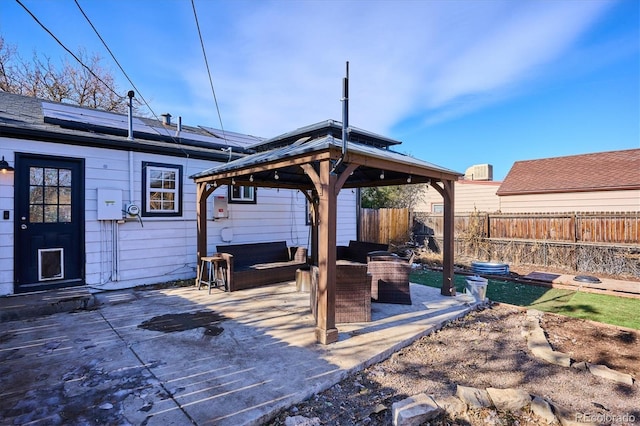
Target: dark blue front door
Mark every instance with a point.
(49, 222)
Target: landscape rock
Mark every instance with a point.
(415, 410)
(542, 409)
(509, 399)
(301, 421)
(607, 373)
(534, 314)
(580, 366)
(540, 348)
(453, 406)
(537, 340)
(473, 397)
(570, 418)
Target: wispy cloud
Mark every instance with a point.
(279, 65)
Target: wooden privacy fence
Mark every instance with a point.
(385, 226)
(606, 228)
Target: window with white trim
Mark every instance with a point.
(161, 189)
(242, 194)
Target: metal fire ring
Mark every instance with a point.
(587, 279)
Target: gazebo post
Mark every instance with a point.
(448, 289)
(201, 214)
(326, 331)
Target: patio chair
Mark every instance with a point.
(353, 292)
(390, 279)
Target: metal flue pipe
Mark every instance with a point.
(345, 119)
(130, 95)
(345, 111)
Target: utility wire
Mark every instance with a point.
(120, 66)
(204, 53)
(68, 51)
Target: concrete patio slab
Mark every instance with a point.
(182, 356)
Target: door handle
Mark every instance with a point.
(23, 226)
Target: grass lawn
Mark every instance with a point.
(596, 307)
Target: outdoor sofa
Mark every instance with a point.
(257, 264)
(357, 251)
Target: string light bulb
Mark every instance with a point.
(215, 184)
(382, 175)
(251, 178)
(276, 177)
(409, 179)
(233, 181)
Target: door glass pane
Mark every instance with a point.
(64, 214)
(35, 214)
(65, 196)
(51, 195)
(35, 175)
(65, 177)
(35, 195)
(50, 214)
(51, 177)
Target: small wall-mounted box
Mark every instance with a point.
(220, 207)
(109, 204)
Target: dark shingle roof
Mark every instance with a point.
(602, 171)
(28, 118)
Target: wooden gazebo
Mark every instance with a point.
(315, 161)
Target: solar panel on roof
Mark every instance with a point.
(87, 116)
(233, 138)
(104, 119)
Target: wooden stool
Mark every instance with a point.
(215, 272)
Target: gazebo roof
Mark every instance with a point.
(314, 143)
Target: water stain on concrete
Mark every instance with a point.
(171, 323)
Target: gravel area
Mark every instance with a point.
(487, 348)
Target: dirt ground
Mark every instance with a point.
(487, 349)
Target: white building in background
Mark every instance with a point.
(475, 192)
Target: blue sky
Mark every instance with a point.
(459, 82)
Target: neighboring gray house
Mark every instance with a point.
(89, 205)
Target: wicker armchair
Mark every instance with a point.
(353, 292)
(390, 279)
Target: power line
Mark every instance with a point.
(118, 63)
(69, 51)
(91, 71)
(204, 53)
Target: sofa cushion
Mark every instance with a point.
(246, 255)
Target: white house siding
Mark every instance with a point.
(469, 196)
(159, 249)
(594, 201)
(347, 219)
(6, 226)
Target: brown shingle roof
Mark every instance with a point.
(602, 171)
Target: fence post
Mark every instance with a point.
(487, 228)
